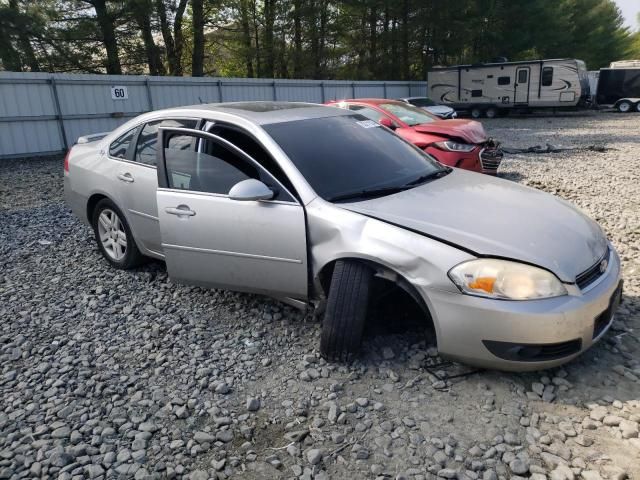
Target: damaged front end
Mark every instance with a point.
(491, 156)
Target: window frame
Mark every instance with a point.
(131, 150)
(163, 179)
(142, 126)
(291, 189)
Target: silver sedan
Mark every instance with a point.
(318, 206)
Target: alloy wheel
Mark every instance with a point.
(112, 234)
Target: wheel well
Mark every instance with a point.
(382, 274)
(91, 204)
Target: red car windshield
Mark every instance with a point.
(408, 114)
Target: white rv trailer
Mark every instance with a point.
(490, 89)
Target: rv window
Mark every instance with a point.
(476, 93)
(523, 75)
(504, 80)
(547, 76)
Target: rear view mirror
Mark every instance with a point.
(386, 122)
(250, 190)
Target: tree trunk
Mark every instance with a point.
(105, 22)
(246, 37)
(297, 39)
(373, 44)
(178, 36)
(269, 21)
(406, 72)
(24, 41)
(256, 31)
(197, 58)
(141, 14)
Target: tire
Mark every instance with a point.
(625, 106)
(113, 236)
(476, 112)
(638, 107)
(346, 312)
(491, 112)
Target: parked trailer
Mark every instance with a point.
(619, 86)
(491, 89)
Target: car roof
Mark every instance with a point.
(266, 112)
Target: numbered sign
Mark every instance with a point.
(119, 93)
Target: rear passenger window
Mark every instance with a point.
(504, 80)
(120, 146)
(146, 147)
(547, 76)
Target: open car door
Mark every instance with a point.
(212, 240)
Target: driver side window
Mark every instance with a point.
(211, 167)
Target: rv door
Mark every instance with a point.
(521, 86)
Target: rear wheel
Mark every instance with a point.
(476, 112)
(114, 236)
(638, 106)
(491, 112)
(624, 106)
(346, 313)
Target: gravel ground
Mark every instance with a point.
(107, 373)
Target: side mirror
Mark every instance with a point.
(250, 190)
(386, 122)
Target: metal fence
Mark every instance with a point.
(43, 114)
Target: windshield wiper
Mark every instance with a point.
(429, 176)
(369, 193)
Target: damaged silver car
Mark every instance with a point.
(316, 205)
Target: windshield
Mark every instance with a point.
(422, 102)
(344, 155)
(407, 113)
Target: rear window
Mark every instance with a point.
(504, 80)
(120, 146)
(345, 154)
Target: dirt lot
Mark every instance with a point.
(107, 373)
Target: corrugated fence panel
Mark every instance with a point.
(36, 108)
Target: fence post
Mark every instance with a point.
(384, 85)
(275, 91)
(220, 90)
(149, 97)
(56, 103)
(324, 93)
(353, 90)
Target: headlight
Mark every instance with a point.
(493, 278)
(454, 146)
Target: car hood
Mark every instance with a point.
(468, 130)
(439, 109)
(494, 217)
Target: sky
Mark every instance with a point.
(630, 10)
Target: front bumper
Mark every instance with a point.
(524, 335)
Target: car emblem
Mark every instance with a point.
(603, 266)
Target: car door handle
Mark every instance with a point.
(125, 177)
(180, 210)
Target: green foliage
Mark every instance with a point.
(363, 39)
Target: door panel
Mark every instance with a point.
(213, 241)
(521, 85)
(137, 185)
(223, 243)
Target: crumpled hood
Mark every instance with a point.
(468, 130)
(495, 217)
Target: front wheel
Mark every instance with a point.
(114, 237)
(346, 313)
(624, 106)
(638, 106)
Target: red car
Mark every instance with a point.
(457, 143)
